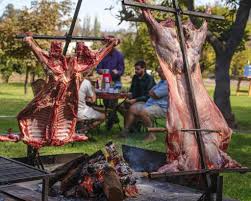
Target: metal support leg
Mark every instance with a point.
(39, 161)
(219, 189)
(45, 190)
(33, 157)
(206, 196)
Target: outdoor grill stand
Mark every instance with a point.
(12, 171)
(135, 157)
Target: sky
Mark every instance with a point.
(93, 8)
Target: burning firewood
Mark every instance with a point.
(127, 179)
(112, 186)
(98, 177)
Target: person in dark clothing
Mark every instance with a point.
(114, 61)
(141, 84)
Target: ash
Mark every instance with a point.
(151, 190)
(163, 191)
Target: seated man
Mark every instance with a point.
(141, 84)
(155, 107)
(87, 94)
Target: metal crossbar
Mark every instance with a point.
(21, 36)
(171, 10)
(68, 37)
(69, 34)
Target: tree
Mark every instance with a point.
(96, 27)
(8, 62)
(48, 17)
(137, 46)
(86, 30)
(225, 42)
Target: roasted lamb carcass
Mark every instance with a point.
(182, 148)
(50, 118)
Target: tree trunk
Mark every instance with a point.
(6, 79)
(222, 88)
(33, 75)
(224, 52)
(26, 79)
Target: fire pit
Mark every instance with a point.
(101, 176)
(88, 178)
(152, 190)
(150, 185)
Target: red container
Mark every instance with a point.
(106, 79)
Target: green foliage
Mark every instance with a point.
(207, 60)
(221, 30)
(239, 60)
(47, 18)
(96, 32)
(137, 46)
(8, 66)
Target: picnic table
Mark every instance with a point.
(111, 111)
(112, 96)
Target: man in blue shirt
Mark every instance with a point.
(155, 107)
(114, 61)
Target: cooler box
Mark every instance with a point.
(247, 71)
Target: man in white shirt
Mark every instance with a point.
(85, 112)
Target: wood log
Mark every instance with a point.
(112, 186)
(71, 179)
(61, 172)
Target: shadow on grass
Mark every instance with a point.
(240, 149)
(243, 116)
(5, 94)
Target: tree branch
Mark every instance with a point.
(239, 25)
(215, 42)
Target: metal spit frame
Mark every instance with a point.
(33, 154)
(176, 10)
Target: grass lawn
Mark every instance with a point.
(236, 186)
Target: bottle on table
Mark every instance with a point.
(97, 84)
(106, 79)
(117, 86)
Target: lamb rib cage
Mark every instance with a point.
(50, 118)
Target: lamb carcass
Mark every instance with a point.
(50, 118)
(182, 149)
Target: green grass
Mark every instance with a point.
(236, 186)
